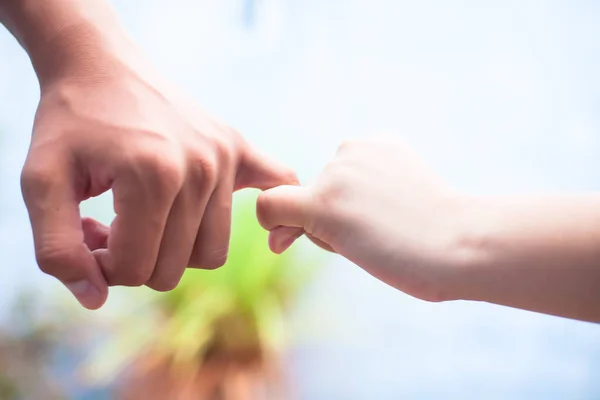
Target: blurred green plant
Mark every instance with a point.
(233, 315)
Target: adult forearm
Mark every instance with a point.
(540, 254)
(66, 37)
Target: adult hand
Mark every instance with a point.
(109, 122)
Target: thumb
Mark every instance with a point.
(285, 212)
(60, 247)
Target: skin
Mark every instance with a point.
(108, 121)
(380, 205)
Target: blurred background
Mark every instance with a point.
(500, 96)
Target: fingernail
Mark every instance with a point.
(85, 292)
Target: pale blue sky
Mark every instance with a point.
(501, 96)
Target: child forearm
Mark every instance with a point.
(535, 253)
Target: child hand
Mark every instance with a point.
(379, 205)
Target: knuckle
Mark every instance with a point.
(52, 260)
(224, 151)
(206, 170)
(230, 133)
(163, 168)
(35, 180)
(48, 261)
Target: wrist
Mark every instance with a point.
(464, 251)
(447, 253)
(82, 53)
(69, 39)
(473, 249)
